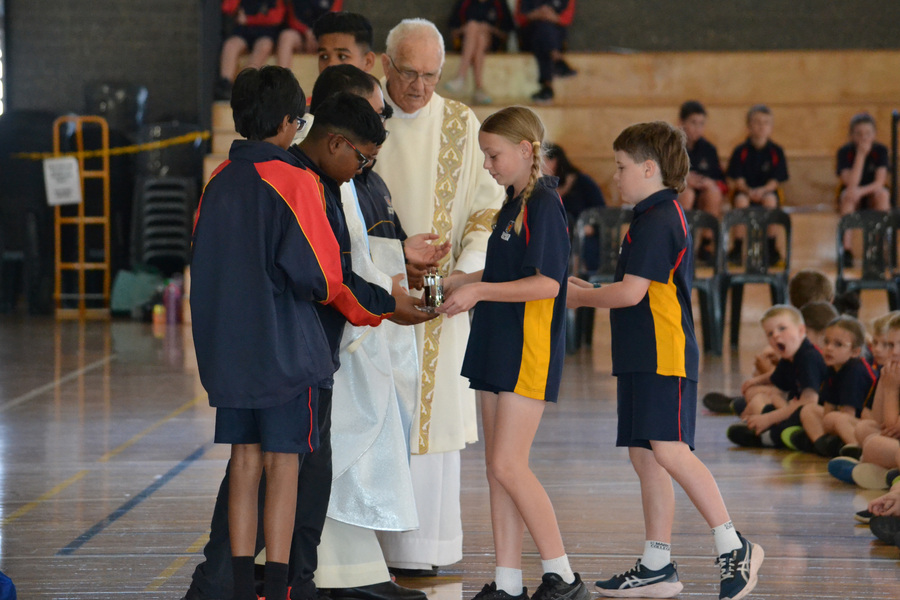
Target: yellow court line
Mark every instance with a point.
(176, 564)
(106, 457)
(47, 495)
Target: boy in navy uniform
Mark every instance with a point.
(756, 170)
(335, 158)
(344, 38)
(705, 186)
(862, 167)
(655, 358)
(798, 375)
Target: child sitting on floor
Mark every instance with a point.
(849, 383)
(798, 377)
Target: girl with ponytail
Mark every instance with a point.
(516, 347)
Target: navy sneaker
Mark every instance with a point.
(641, 582)
(738, 570)
(543, 96)
(490, 592)
(841, 468)
(554, 588)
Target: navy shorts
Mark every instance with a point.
(252, 34)
(289, 428)
(656, 407)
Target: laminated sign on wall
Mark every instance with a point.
(62, 180)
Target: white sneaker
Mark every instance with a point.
(479, 96)
(455, 86)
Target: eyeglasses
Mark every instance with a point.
(410, 76)
(301, 122)
(363, 159)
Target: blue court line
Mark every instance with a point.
(114, 516)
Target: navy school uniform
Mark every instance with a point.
(806, 369)
(520, 346)
(705, 160)
(875, 159)
(758, 166)
(849, 386)
(375, 204)
(360, 302)
(654, 348)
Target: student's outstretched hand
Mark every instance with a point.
(405, 312)
(461, 299)
(575, 285)
(419, 250)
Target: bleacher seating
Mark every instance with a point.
(812, 94)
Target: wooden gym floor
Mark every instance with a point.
(108, 473)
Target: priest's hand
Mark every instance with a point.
(419, 250)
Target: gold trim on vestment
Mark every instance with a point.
(450, 157)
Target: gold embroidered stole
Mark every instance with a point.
(450, 157)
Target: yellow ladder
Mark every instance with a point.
(78, 295)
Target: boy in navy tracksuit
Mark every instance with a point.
(655, 358)
(353, 299)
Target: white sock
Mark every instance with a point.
(509, 580)
(768, 439)
(726, 538)
(656, 555)
(560, 566)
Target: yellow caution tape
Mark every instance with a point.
(133, 149)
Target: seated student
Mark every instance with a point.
(884, 511)
(578, 190)
(849, 383)
(478, 26)
(257, 23)
(705, 182)
(756, 170)
(798, 375)
(813, 291)
(879, 435)
(344, 38)
(862, 167)
(297, 37)
(844, 424)
(542, 31)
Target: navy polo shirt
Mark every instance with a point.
(875, 159)
(375, 204)
(657, 334)
(758, 166)
(849, 386)
(520, 346)
(705, 160)
(806, 369)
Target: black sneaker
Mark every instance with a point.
(774, 254)
(885, 528)
(554, 588)
(828, 446)
(738, 570)
(742, 435)
(892, 477)
(863, 516)
(639, 581)
(738, 405)
(490, 592)
(852, 451)
(543, 96)
(795, 438)
(562, 69)
(718, 403)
